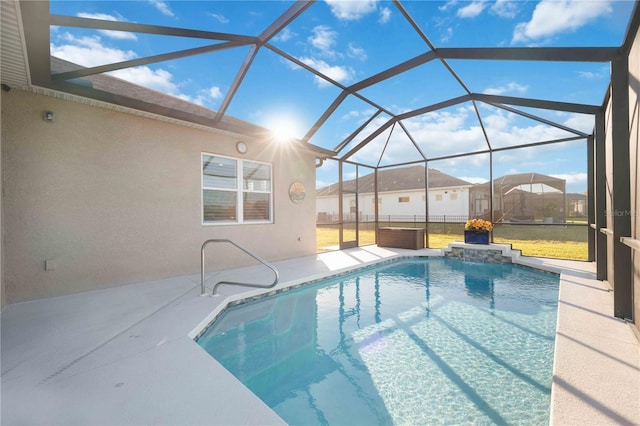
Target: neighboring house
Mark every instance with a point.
(576, 204)
(522, 197)
(400, 193)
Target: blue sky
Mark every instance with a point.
(350, 41)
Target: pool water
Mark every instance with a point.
(423, 341)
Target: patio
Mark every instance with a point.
(109, 186)
(126, 355)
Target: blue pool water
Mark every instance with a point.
(424, 341)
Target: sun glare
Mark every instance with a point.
(283, 129)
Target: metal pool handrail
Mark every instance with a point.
(224, 240)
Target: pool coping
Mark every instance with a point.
(110, 356)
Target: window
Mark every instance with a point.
(235, 191)
(453, 196)
(403, 199)
(438, 197)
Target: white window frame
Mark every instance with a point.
(240, 191)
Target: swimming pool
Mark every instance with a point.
(421, 341)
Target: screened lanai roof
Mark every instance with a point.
(528, 182)
(375, 82)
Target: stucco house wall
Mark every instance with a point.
(110, 199)
(442, 201)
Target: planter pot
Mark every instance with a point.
(476, 237)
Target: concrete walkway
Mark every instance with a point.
(127, 356)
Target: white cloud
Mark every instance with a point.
(323, 39)
(582, 122)
(547, 159)
(351, 10)
(220, 18)
(475, 179)
(215, 92)
(351, 114)
(511, 87)
(447, 5)
(162, 7)
(102, 16)
(341, 74)
(160, 80)
(594, 75)
(444, 24)
(357, 52)
(205, 96)
(385, 15)
(572, 178)
(589, 75)
(350, 175)
(446, 35)
(498, 121)
(323, 183)
(505, 8)
(88, 51)
(552, 17)
(513, 171)
(512, 135)
(285, 35)
(437, 133)
(91, 52)
(120, 35)
(472, 10)
(457, 130)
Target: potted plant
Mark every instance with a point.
(476, 231)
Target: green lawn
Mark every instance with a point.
(563, 242)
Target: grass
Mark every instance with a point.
(562, 242)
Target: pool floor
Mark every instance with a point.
(429, 341)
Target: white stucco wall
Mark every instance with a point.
(442, 201)
(114, 198)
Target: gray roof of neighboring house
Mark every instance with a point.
(397, 179)
(576, 196)
(512, 181)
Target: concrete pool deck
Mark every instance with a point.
(126, 355)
